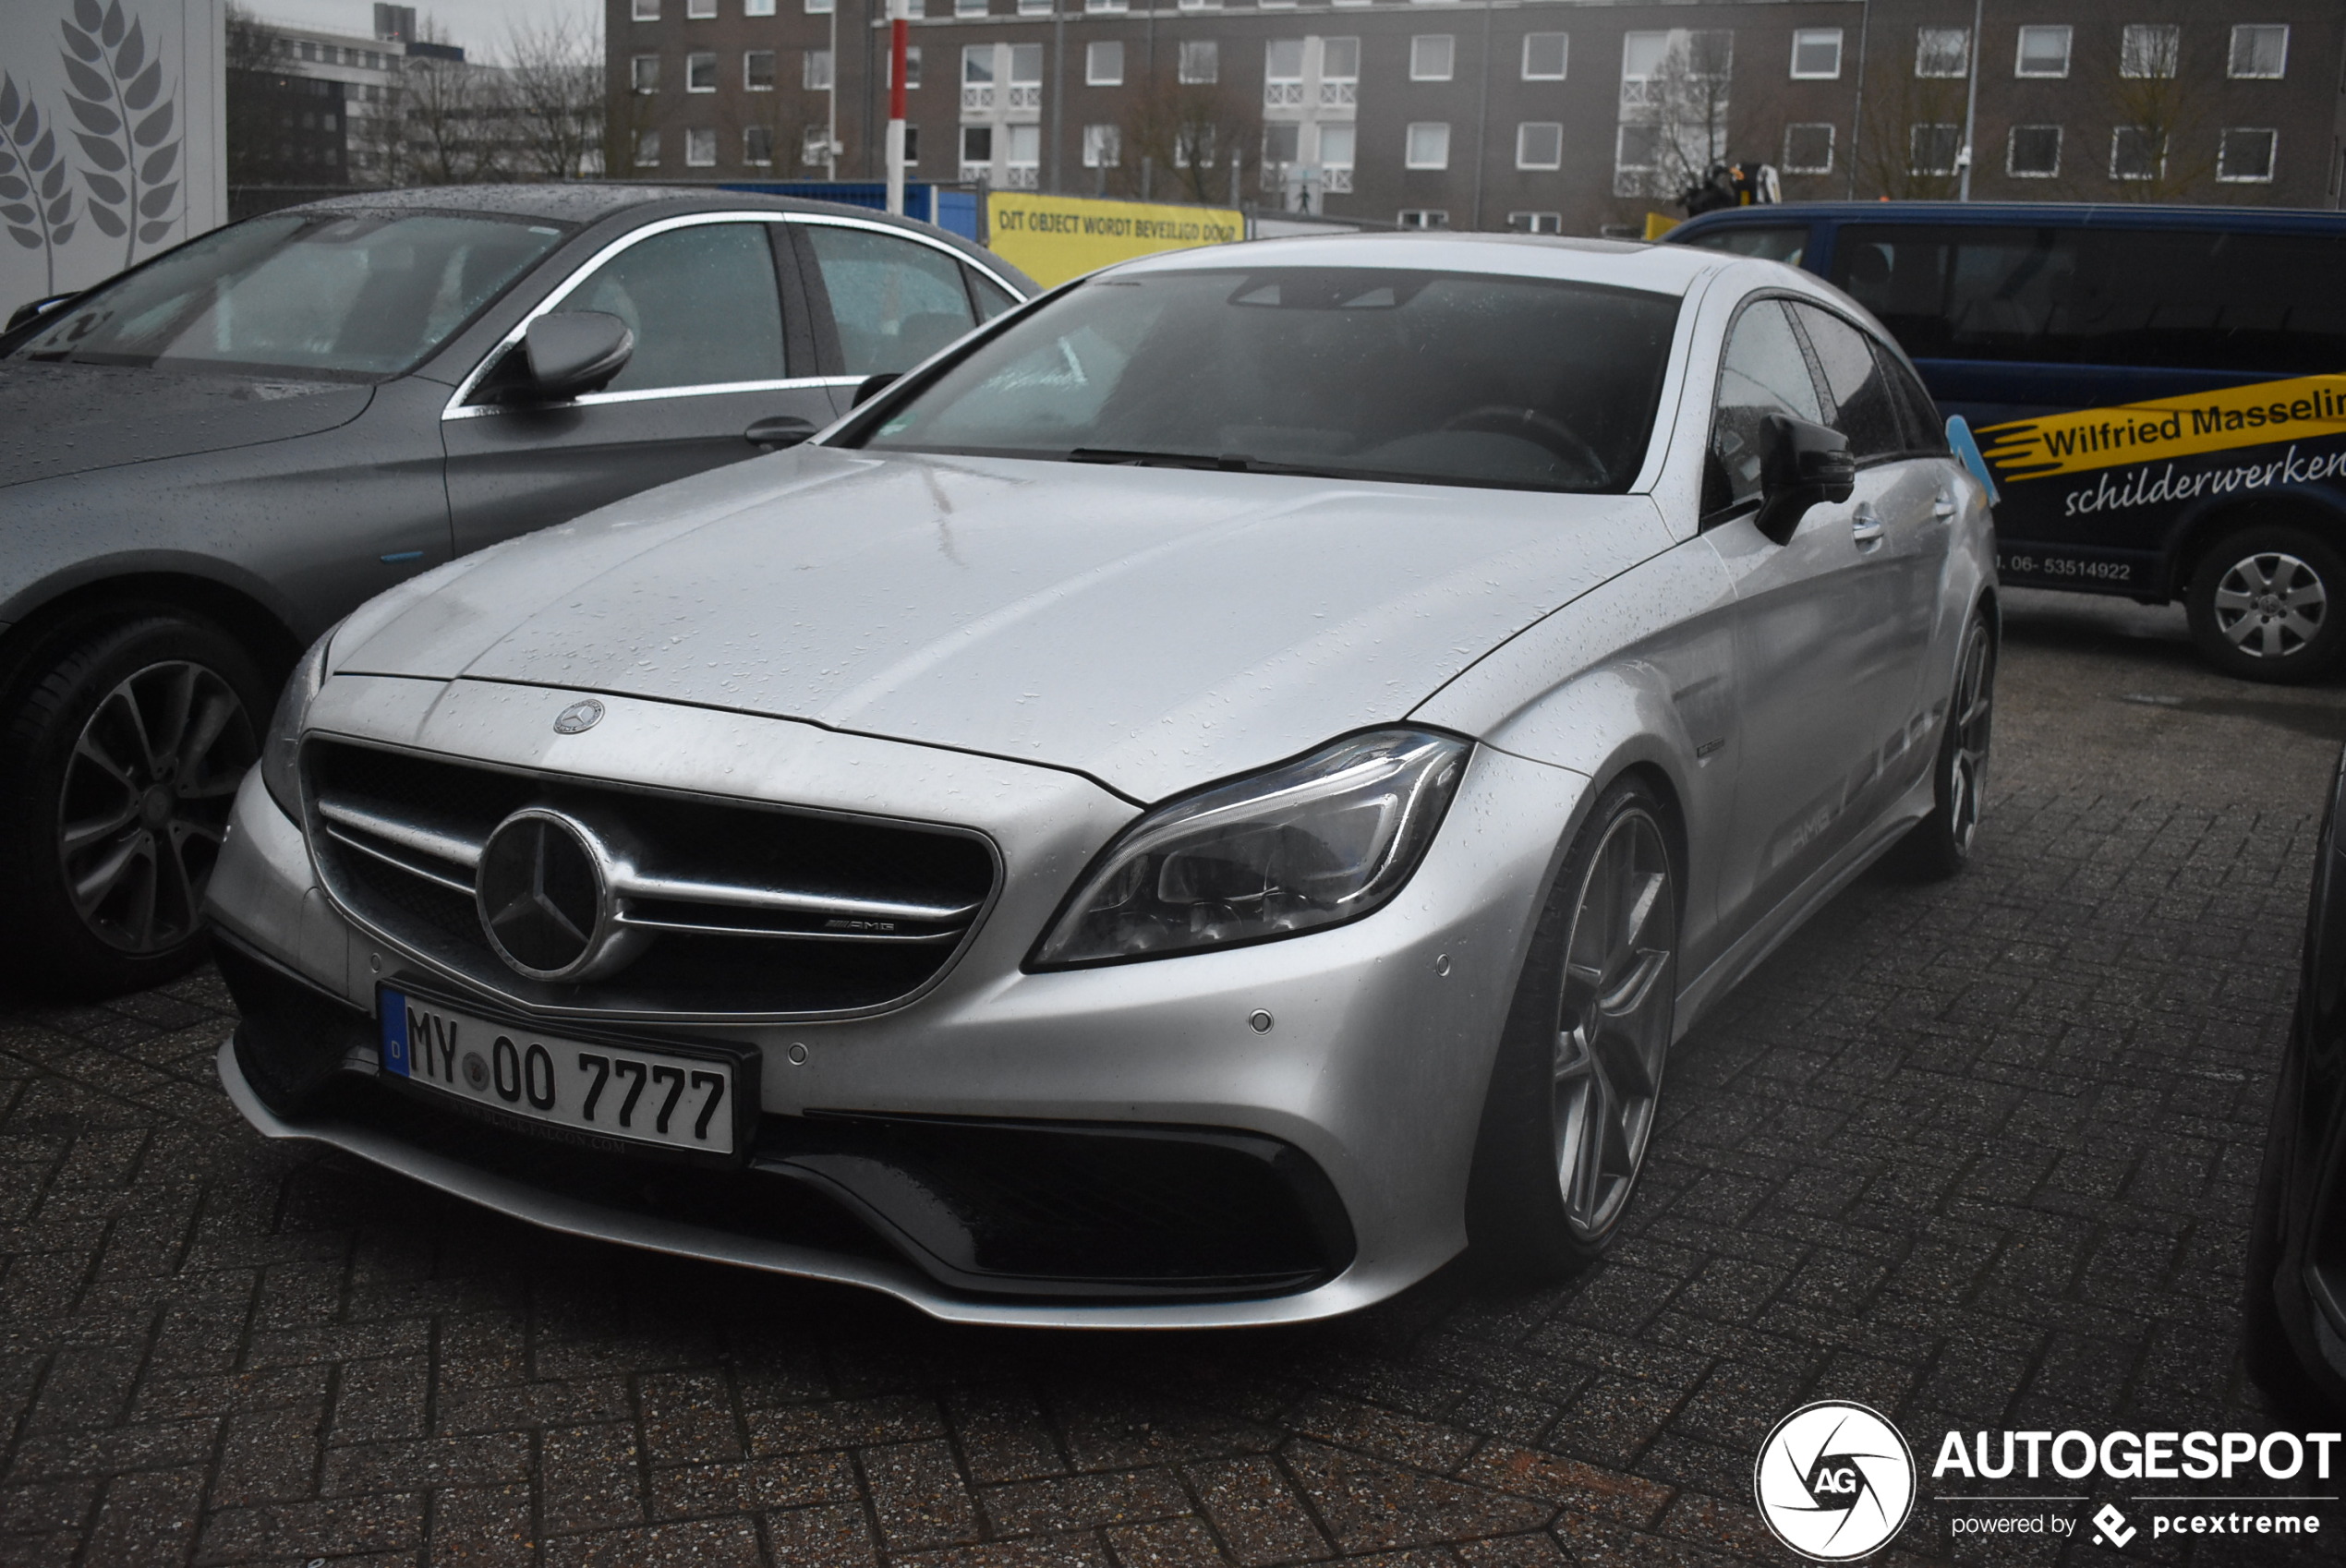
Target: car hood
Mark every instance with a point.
(1152, 628)
(57, 419)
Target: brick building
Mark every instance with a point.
(1551, 114)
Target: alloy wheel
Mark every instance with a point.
(144, 803)
(1970, 714)
(1614, 1026)
(2270, 604)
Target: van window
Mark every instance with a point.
(1862, 410)
(2184, 300)
(1772, 243)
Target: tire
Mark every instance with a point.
(1940, 844)
(119, 761)
(1583, 1049)
(2269, 604)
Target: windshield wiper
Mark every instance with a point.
(1229, 463)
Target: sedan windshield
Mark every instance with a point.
(1438, 378)
(342, 296)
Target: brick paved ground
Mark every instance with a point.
(1978, 1154)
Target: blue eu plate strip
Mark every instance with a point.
(395, 1011)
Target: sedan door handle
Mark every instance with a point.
(780, 430)
(1865, 527)
(1944, 507)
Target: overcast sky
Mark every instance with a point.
(480, 26)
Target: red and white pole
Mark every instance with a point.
(897, 28)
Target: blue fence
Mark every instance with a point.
(953, 211)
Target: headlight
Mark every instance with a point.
(280, 753)
(1305, 845)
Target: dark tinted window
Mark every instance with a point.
(701, 303)
(1926, 427)
(1382, 373)
(1862, 407)
(2186, 299)
(1764, 373)
(1786, 245)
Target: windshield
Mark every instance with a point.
(1425, 377)
(341, 295)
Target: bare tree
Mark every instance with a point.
(2148, 137)
(1191, 134)
(1674, 116)
(1913, 131)
(553, 98)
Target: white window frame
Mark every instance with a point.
(1409, 159)
(1103, 146)
(818, 7)
(2068, 36)
(2272, 154)
(1925, 36)
(749, 152)
(646, 141)
(2145, 47)
(815, 71)
(1206, 49)
(697, 62)
(1564, 57)
(700, 148)
(2012, 145)
(2246, 32)
(1523, 131)
(1099, 8)
(1914, 147)
(1094, 73)
(2117, 133)
(635, 74)
(1832, 147)
(1201, 5)
(1422, 217)
(1420, 69)
(773, 69)
(1539, 223)
(758, 8)
(645, 11)
(700, 11)
(969, 7)
(1325, 158)
(1816, 35)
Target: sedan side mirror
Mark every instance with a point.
(1801, 465)
(571, 352)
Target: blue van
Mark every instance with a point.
(2160, 392)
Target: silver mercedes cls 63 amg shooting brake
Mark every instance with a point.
(1187, 808)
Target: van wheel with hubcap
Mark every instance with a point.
(2269, 604)
(1579, 1072)
(118, 767)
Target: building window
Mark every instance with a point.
(700, 149)
(969, 7)
(1201, 5)
(1104, 65)
(1033, 7)
(760, 9)
(1283, 72)
(1807, 150)
(1201, 61)
(817, 77)
(2137, 153)
(818, 7)
(912, 66)
(1282, 144)
(1336, 145)
(977, 65)
(1428, 145)
(648, 11)
(2043, 52)
(1422, 218)
(1931, 149)
(700, 73)
(1104, 5)
(2260, 52)
(1026, 148)
(2034, 153)
(912, 143)
(645, 73)
(697, 10)
(1102, 147)
(1637, 148)
(758, 70)
(1539, 144)
(1942, 51)
(1815, 54)
(1026, 65)
(2149, 51)
(1339, 70)
(758, 141)
(1431, 56)
(1536, 222)
(1545, 55)
(2245, 157)
(648, 149)
(815, 148)
(977, 144)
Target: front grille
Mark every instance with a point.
(742, 908)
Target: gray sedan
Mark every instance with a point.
(207, 460)
(1187, 808)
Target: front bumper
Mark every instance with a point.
(1372, 1072)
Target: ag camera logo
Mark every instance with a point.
(1834, 1480)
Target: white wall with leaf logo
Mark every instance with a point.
(112, 141)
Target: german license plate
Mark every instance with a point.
(603, 1090)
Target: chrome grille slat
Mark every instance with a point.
(850, 913)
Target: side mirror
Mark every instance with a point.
(1801, 465)
(869, 385)
(570, 352)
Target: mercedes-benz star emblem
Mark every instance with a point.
(545, 898)
(578, 718)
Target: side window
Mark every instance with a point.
(1862, 407)
(1926, 427)
(1764, 372)
(992, 298)
(895, 301)
(701, 302)
(1785, 245)
(1960, 292)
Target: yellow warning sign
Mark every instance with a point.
(1053, 238)
(2297, 409)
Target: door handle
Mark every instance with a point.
(1944, 507)
(1865, 526)
(780, 430)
